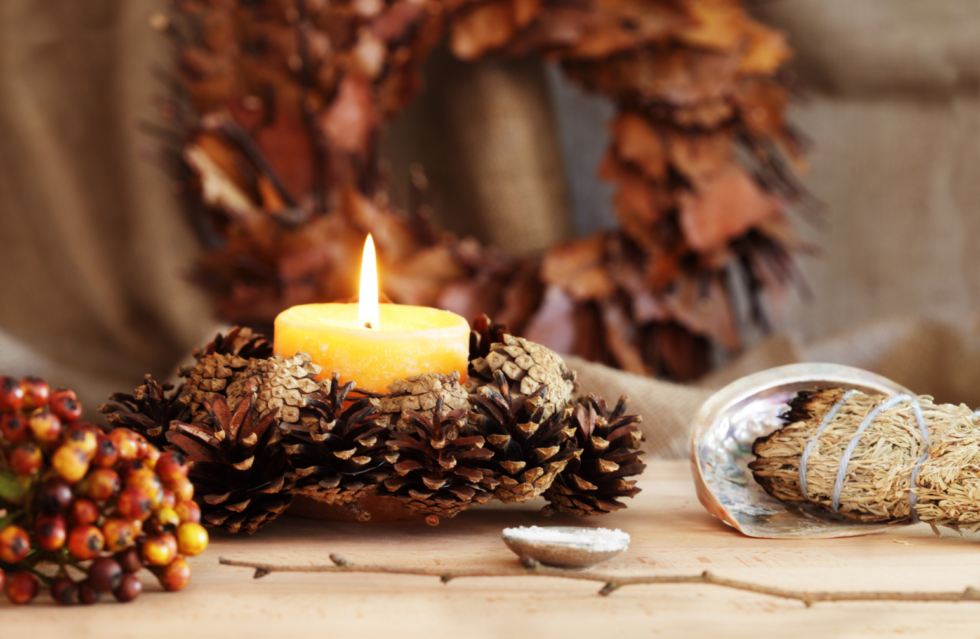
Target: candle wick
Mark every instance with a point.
(368, 325)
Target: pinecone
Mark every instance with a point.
(238, 341)
(593, 481)
(282, 384)
(338, 454)
(239, 464)
(529, 367)
(420, 393)
(148, 410)
(439, 472)
(219, 364)
(485, 332)
(529, 448)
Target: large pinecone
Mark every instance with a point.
(595, 480)
(528, 366)
(438, 471)
(148, 410)
(338, 454)
(239, 464)
(283, 384)
(529, 449)
(420, 393)
(219, 364)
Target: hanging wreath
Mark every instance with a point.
(280, 106)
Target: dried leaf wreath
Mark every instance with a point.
(279, 106)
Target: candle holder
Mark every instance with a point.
(811, 451)
(262, 430)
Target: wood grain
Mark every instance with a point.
(672, 534)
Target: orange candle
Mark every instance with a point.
(373, 344)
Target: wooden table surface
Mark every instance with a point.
(671, 534)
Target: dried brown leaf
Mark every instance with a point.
(678, 352)
(704, 307)
(724, 208)
(622, 25)
(762, 105)
(718, 24)
(700, 156)
(579, 268)
(681, 77)
(221, 183)
(521, 297)
(621, 337)
(472, 297)
(554, 324)
(397, 20)
(351, 120)
(482, 29)
(287, 146)
(635, 141)
(765, 50)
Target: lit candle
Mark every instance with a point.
(374, 344)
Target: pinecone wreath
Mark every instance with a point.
(439, 466)
(597, 477)
(148, 410)
(239, 466)
(529, 449)
(338, 451)
(259, 428)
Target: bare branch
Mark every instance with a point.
(611, 582)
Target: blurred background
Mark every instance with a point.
(96, 249)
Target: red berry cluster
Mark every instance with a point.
(96, 506)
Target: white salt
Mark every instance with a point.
(591, 539)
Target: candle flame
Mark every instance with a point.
(367, 306)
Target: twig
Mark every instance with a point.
(611, 582)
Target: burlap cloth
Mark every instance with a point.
(936, 356)
(94, 249)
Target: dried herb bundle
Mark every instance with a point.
(890, 459)
(279, 107)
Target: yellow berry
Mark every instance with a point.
(192, 539)
(71, 463)
(163, 521)
(159, 550)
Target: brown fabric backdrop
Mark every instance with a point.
(93, 244)
(485, 134)
(94, 247)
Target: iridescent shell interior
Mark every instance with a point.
(721, 449)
